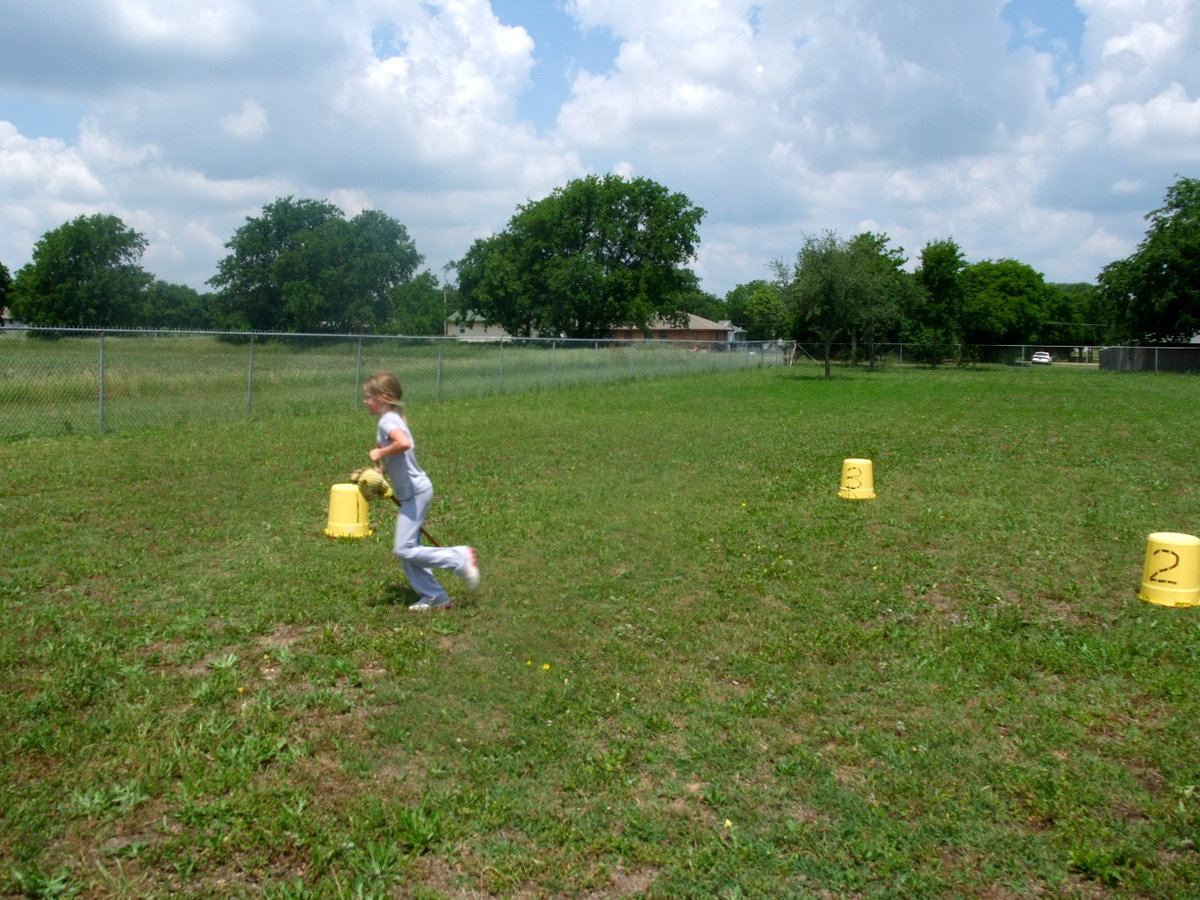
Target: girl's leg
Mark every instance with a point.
(419, 560)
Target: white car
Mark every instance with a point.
(1041, 358)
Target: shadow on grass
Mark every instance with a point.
(400, 593)
(397, 593)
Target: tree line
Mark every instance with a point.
(858, 291)
(604, 252)
(301, 266)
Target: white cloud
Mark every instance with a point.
(211, 27)
(43, 183)
(102, 149)
(33, 167)
(249, 123)
(1168, 124)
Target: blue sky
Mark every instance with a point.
(40, 116)
(1054, 27)
(1046, 23)
(561, 49)
(1038, 131)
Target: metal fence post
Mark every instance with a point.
(358, 379)
(501, 365)
(250, 380)
(101, 396)
(437, 390)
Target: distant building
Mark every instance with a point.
(697, 329)
(473, 327)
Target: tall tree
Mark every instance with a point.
(933, 318)
(735, 303)
(419, 305)
(177, 306)
(85, 273)
(759, 307)
(5, 284)
(766, 312)
(1076, 315)
(1004, 302)
(1154, 295)
(702, 303)
(820, 291)
(598, 253)
(845, 288)
(252, 294)
(880, 287)
(301, 266)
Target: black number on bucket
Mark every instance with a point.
(853, 474)
(1154, 577)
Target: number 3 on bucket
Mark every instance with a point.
(858, 480)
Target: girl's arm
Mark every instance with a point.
(400, 443)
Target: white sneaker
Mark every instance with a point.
(470, 570)
(427, 603)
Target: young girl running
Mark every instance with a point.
(414, 490)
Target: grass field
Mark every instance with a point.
(692, 669)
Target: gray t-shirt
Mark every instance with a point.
(405, 472)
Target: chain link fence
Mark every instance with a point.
(1155, 358)
(938, 354)
(55, 382)
(68, 381)
(1152, 359)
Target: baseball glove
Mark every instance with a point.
(372, 483)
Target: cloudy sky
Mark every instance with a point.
(1039, 130)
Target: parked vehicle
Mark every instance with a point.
(1041, 358)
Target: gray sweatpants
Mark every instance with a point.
(419, 560)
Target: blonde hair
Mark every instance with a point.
(386, 387)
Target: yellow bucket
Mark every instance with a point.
(1171, 576)
(858, 480)
(349, 515)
